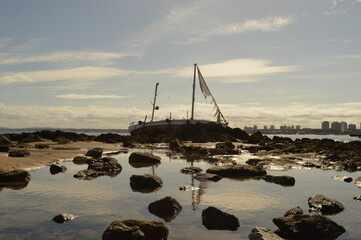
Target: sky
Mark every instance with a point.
(95, 64)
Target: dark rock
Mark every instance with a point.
(213, 218)
(145, 183)
(106, 164)
(281, 180)
(238, 170)
(262, 233)
(19, 153)
(4, 141)
(136, 230)
(225, 145)
(254, 161)
(358, 198)
(325, 205)
(294, 211)
(42, 146)
(175, 144)
(94, 153)
(55, 169)
(80, 160)
(88, 174)
(4, 148)
(343, 178)
(64, 217)
(15, 176)
(310, 227)
(144, 157)
(191, 170)
(358, 182)
(203, 177)
(167, 208)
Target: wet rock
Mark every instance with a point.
(310, 227)
(4, 141)
(358, 182)
(42, 146)
(143, 158)
(191, 170)
(225, 145)
(175, 144)
(64, 217)
(106, 164)
(145, 183)
(188, 188)
(358, 198)
(203, 177)
(167, 208)
(136, 230)
(55, 169)
(262, 233)
(213, 218)
(94, 153)
(238, 170)
(225, 161)
(325, 205)
(343, 178)
(88, 174)
(19, 153)
(294, 211)
(281, 180)
(15, 176)
(80, 160)
(4, 148)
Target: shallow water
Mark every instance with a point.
(27, 213)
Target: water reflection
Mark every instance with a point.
(13, 185)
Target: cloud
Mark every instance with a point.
(30, 44)
(263, 25)
(73, 57)
(4, 42)
(85, 96)
(77, 74)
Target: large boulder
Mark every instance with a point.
(262, 233)
(144, 157)
(136, 230)
(281, 180)
(15, 176)
(325, 205)
(310, 227)
(167, 208)
(213, 218)
(145, 183)
(94, 153)
(238, 170)
(55, 169)
(64, 217)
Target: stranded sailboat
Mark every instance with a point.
(169, 124)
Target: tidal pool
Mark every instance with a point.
(26, 213)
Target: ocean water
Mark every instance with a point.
(26, 213)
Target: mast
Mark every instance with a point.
(153, 103)
(194, 88)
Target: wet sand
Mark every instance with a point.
(56, 154)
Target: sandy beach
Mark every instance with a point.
(44, 157)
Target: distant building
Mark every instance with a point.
(325, 125)
(352, 127)
(298, 127)
(265, 127)
(255, 127)
(272, 127)
(343, 126)
(336, 126)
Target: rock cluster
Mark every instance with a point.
(105, 166)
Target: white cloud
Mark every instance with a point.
(85, 96)
(77, 74)
(263, 25)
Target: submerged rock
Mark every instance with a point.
(55, 169)
(106, 166)
(167, 208)
(325, 205)
(190, 170)
(343, 178)
(64, 217)
(238, 170)
(281, 180)
(136, 230)
(310, 227)
(262, 233)
(145, 183)
(213, 218)
(203, 177)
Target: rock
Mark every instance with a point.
(175, 144)
(225, 145)
(281, 180)
(294, 211)
(358, 182)
(80, 160)
(4, 148)
(88, 174)
(143, 157)
(145, 183)
(238, 170)
(191, 170)
(310, 227)
(42, 146)
(188, 188)
(19, 153)
(358, 198)
(64, 217)
(203, 177)
(55, 169)
(15, 176)
(4, 141)
(167, 208)
(262, 233)
(136, 230)
(106, 164)
(94, 153)
(325, 205)
(213, 218)
(343, 178)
